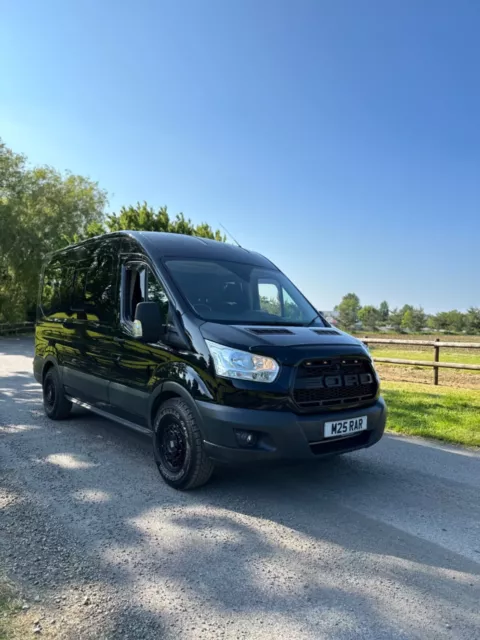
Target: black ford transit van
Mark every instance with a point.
(205, 346)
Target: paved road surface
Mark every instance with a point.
(383, 543)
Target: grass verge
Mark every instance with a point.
(444, 413)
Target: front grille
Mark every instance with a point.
(334, 383)
(332, 397)
(331, 367)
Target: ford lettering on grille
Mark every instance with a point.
(332, 382)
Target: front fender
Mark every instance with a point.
(40, 363)
(180, 379)
(187, 377)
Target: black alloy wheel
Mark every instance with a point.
(178, 446)
(172, 444)
(56, 405)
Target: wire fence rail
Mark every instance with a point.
(13, 329)
(436, 345)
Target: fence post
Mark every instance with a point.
(436, 358)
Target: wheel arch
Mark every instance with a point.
(169, 390)
(50, 362)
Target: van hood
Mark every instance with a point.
(279, 340)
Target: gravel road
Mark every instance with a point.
(383, 543)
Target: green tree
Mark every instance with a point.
(370, 317)
(407, 320)
(348, 311)
(395, 319)
(472, 320)
(142, 217)
(413, 319)
(41, 210)
(433, 322)
(439, 321)
(455, 321)
(419, 319)
(384, 311)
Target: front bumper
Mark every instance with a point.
(284, 435)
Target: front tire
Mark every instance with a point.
(55, 404)
(178, 449)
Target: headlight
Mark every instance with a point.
(231, 363)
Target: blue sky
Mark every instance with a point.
(341, 139)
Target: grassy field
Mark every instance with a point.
(448, 414)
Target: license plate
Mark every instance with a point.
(345, 427)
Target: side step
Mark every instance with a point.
(111, 416)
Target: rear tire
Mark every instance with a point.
(178, 449)
(55, 403)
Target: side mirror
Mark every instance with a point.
(148, 325)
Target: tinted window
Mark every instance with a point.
(78, 297)
(51, 298)
(99, 294)
(134, 289)
(85, 286)
(156, 293)
(141, 285)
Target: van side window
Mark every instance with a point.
(66, 289)
(141, 285)
(78, 295)
(292, 310)
(269, 297)
(51, 299)
(99, 290)
(156, 293)
(134, 289)
(276, 301)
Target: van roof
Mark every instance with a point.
(178, 245)
(161, 245)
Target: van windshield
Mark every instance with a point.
(238, 293)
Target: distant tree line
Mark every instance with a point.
(42, 210)
(351, 315)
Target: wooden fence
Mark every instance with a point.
(436, 345)
(12, 329)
